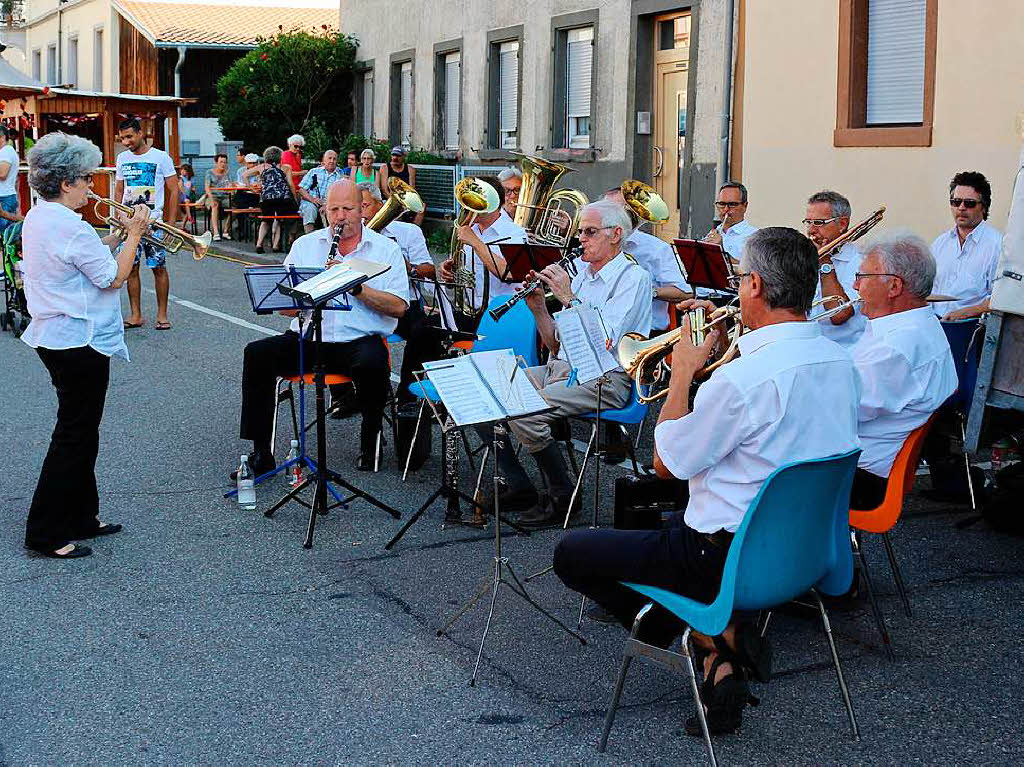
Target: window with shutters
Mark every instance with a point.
(579, 60)
(406, 104)
(886, 78)
(504, 84)
(51, 65)
(97, 59)
(508, 95)
(447, 95)
(366, 114)
(401, 115)
(37, 64)
(71, 76)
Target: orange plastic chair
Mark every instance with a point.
(882, 519)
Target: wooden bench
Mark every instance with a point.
(286, 228)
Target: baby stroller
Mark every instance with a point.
(14, 290)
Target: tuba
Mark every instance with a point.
(475, 197)
(402, 198)
(541, 211)
(642, 358)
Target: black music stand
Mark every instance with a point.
(306, 298)
(523, 257)
(705, 264)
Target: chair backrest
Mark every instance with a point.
(901, 479)
(793, 536)
(965, 359)
(516, 330)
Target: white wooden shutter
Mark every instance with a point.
(896, 32)
(578, 68)
(452, 68)
(508, 87)
(368, 103)
(406, 105)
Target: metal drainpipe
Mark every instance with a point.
(723, 160)
(60, 42)
(182, 50)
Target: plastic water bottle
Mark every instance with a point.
(246, 485)
(295, 470)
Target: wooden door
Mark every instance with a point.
(671, 71)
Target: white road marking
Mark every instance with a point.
(228, 318)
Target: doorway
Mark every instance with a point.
(671, 72)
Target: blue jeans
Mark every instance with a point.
(9, 203)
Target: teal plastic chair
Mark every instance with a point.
(793, 539)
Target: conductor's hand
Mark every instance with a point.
(557, 280)
(687, 359)
(448, 270)
(138, 222)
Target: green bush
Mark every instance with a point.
(293, 82)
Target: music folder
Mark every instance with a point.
(522, 257)
(334, 281)
(705, 264)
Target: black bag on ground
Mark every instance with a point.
(640, 502)
(1003, 508)
(407, 417)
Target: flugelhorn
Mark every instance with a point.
(644, 203)
(175, 238)
(642, 357)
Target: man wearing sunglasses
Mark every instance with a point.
(967, 255)
(903, 358)
(731, 209)
(828, 216)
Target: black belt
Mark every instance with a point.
(721, 538)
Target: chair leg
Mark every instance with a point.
(627, 660)
(896, 574)
(839, 669)
(967, 464)
(695, 689)
(631, 449)
(879, 621)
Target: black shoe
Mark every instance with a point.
(613, 456)
(367, 462)
(724, 702)
(260, 464)
(75, 552)
(347, 407)
(548, 514)
(517, 499)
(599, 614)
(103, 529)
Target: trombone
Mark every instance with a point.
(174, 240)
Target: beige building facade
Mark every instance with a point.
(614, 89)
(801, 124)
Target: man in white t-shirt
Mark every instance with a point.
(146, 176)
(9, 162)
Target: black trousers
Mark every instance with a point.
(422, 344)
(65, 505)
(364, 360)
(868, 490)
(676, 558)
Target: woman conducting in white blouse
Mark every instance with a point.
(72, 281)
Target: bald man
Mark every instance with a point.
(353, 341)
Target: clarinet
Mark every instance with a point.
(566, 262)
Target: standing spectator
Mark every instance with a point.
(218, 177)
(146, 175)
(313, 188)
(399, 168)
(9, 162)
(276, 198)
(366, 173)
(511, 181)
(292, 157)
(967, 255)
(351, 163)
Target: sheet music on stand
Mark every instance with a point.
(484, 387)
(263, 281)
(335, 280)
(583, 336)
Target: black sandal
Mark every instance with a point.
(74, 552)
(724, 700)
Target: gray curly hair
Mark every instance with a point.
(58, 157)
(272, 154)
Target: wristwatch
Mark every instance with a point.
(654, 292)
(826, 268)
(356, 290)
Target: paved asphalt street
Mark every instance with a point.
(204, 634)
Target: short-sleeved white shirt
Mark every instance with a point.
(311, 250)
(791, 396)
(657, 257)
(143, 176)
(68, 272)
(966, 271)
(9, 185)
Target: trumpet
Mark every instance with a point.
(641, 357)
(175, 238)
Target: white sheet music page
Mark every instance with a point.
(463, 391)
(598, 336)
(582, 336)
(508, 382)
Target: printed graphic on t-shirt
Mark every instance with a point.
(139, 183)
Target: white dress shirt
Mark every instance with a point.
(411, 240)
(734, 237)
(657, 257)
(846, 263)
(906, 372)
(792, 395)
(621, 291)
(311, 250)
(68, 271)
(967, 271)
(502, 227)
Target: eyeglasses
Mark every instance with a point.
(819, 222)
(956, 202)
(862, 275)
(590, 231)
(728, 204)
(86, 177)
(734, 280)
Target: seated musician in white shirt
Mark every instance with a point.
(621, 289)
(903, 358)
(353, 341)
(480, 242)
(791, 396)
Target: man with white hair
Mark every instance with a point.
(903, 358)
(621, 289)
(511, 181)
(313, 188)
